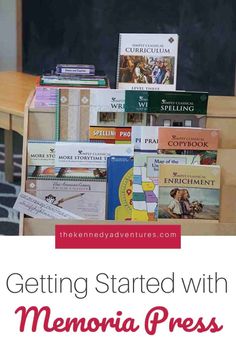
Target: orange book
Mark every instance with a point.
(193, 141)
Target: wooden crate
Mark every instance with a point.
(40, 124)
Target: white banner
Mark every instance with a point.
(117, 301)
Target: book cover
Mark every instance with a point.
(72, 114)
(88, 155)
(197, 141)
(144, 138)
(40, 153)
(189, 192)
(146, 182)
(178, 102)
(112, 135)
(41, 164)
(107, 107)
(147, 61)
(52, 172)
(119, 187)
(86, 199)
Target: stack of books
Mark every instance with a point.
(78, 75)
(67, 75)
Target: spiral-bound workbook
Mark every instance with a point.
(147, 61)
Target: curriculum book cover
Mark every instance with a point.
(194, 141)
(119, 187)
(189, 192)
(147, 61)
(146, 182)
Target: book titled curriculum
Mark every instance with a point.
(189, 192)
(192, 141)
(147, 61)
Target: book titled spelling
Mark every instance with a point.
(189, 192)
(119, 187)
(147, 61)
(110, 135)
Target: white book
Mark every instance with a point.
(144, 138)
(147, 61)
(88, 155)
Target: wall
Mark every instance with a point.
(86, 31)
(7, 35)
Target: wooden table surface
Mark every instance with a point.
(15, 88)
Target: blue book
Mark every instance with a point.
(119, 187)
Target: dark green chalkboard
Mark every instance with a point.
(86, 31)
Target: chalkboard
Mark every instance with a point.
(87, 31)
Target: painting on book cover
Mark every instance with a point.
(49, 172)
(189, 203)
(207, 157)
(147, 70)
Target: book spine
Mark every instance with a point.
(70, 71)
(118, 62)
(99, 82)
(79, 69)
(57, 123)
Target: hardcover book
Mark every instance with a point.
(147, 61)
(83, 198)
(119, 187)
(189, 192)
(146, 182)
(197, 141)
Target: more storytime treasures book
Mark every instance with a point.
(69, 160)
(147, 61)
(189, 192)
(42, 165)
(146, 182)
(119, 187)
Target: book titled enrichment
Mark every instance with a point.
(189, 192)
